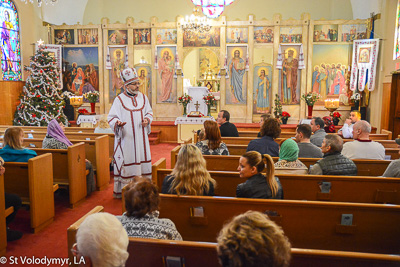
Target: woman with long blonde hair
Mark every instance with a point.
(251, 164)
(190, 175)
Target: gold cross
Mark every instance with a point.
(197, 105)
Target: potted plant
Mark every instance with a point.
(92, 97)
(185, 100)
(356, 99)
(310, 99)
(336, 117)
(285, 116)
(210, 101)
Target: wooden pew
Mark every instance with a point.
(69, 169)
(253, 133)
(153, 252)
(33, 182)
(358, 189)
(71, 232)
(314, 225)
(3, 215)
(94, 150)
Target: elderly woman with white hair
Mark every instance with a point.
(101, 241)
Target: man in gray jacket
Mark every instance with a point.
(317, 127)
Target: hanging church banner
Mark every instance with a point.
(236, 82)
(81, 69)
(55, 52)
(291, 35)
(88, 36)
(166, 36)
(326, 33)
(117, 37)
(196, 39)
(237, 35)
(262, 88)
(263, 35)
(363, 69)
(144, 72)
(117, 60)
(290, 62)
(165, 66)
(330, 69)
(64, 36)
(141, 36)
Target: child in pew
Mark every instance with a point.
(141, 216)
(13, 150)
(56, 139)
(190, 175)
(101, 241)
(103, 126)
(11, 200)
(251, 164)
(253, 240)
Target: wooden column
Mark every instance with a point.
(10, 92)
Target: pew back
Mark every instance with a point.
(3, 233)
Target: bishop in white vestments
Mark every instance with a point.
(130, 118)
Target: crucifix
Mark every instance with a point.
(197, 106)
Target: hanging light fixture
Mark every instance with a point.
(40, 2)
(212, 8)
(196, 23)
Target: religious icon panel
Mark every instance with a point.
(262, 88)
(236, 84)
(290, 76)
(144, 72)
(141, 36)
(64, 36)
(166, 82)
(166, 36)
(88, 36)
(263, 35)
(208, 63)
(117, 37)
(81, 73)
(354, 32)
(196, 39)
(291, 35)
(237, 35)
(117, 59)
(325, 33)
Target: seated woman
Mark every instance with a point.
(141, 216)
(288, 159)
(56, 139)
(270, 130)
(251, 164)
(13, 151)
(212, 145)
(103, 126)
(190, 175)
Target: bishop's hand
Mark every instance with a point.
(120, 123)
(145, 122)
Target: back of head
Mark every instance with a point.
(190, 172)
(335, 142)
(141, 198)
(226, 115)
(289, 150)
(363, 125)
(266, 116)
(253, 240)
(12, 137)
(271, 127)
(213, 134)
(102, 238)
(304, 129)
(103, 123)
(254, 159)
(319, 121)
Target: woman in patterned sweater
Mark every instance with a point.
(212, 145)
(141, 216)
(56, 139)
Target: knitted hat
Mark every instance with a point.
(129, 75)
(289, 150)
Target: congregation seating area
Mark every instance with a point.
(309, 216)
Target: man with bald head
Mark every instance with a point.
(362, 147)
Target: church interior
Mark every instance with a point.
(294, 60)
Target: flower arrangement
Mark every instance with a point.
(83, 111)
(337, 114)
(355, 97)
(310, 98)
(185, 99)
(92, 97)
(209, 100)
(285, 115)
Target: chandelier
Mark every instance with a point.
(40, 2)
(195, 23)
(212, 8)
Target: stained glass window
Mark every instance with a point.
(396, 50)
(10, 46)
(212, 8)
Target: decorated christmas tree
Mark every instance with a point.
(41, 98)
